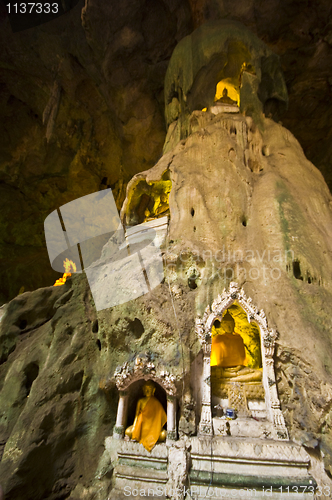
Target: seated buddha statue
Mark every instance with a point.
(228, 352)
(225, 99)
(150, 418)
(161, 209)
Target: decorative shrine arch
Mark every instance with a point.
(144, 369)
(267, 339)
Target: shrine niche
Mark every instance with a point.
(147, 428)
(218, 56)
(147, 199)
(238, 369)
(146, 209)
(226, 99)
(236, 365)
(227, 93)
(138, 380)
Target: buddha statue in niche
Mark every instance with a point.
(160, 210)
(150, 418)
(225, 99)
(228, 355)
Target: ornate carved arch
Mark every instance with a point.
(268, 338)
(143, 369)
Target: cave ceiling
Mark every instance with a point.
(82, 104)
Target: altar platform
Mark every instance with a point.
(222, 466)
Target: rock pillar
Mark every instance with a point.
(171, 417)
(205, 425)
(121, 416)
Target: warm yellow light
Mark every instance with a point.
(68, 265)
(232, 92)
(204, 109)
(249, 333)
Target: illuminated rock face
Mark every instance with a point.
(245, 205)
(110, 64)
(223, 51)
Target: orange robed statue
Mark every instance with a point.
(150, 419)
(228, 352)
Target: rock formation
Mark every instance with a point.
(109, 67)
(245, 205)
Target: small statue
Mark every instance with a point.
(163, 204)
(228, 353)
(225, 99)
(160, 210)
(150, 418)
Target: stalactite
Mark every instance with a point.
(51, 110)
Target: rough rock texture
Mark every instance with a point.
(81, 110)
(44, 392)
(58, 398)
(250, 207)
(219, 51)
(81, 104)
(245, 205)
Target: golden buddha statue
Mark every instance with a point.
(150, 418)
(160, 210)
(163, 204)
(228, 353)
(225, 99)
